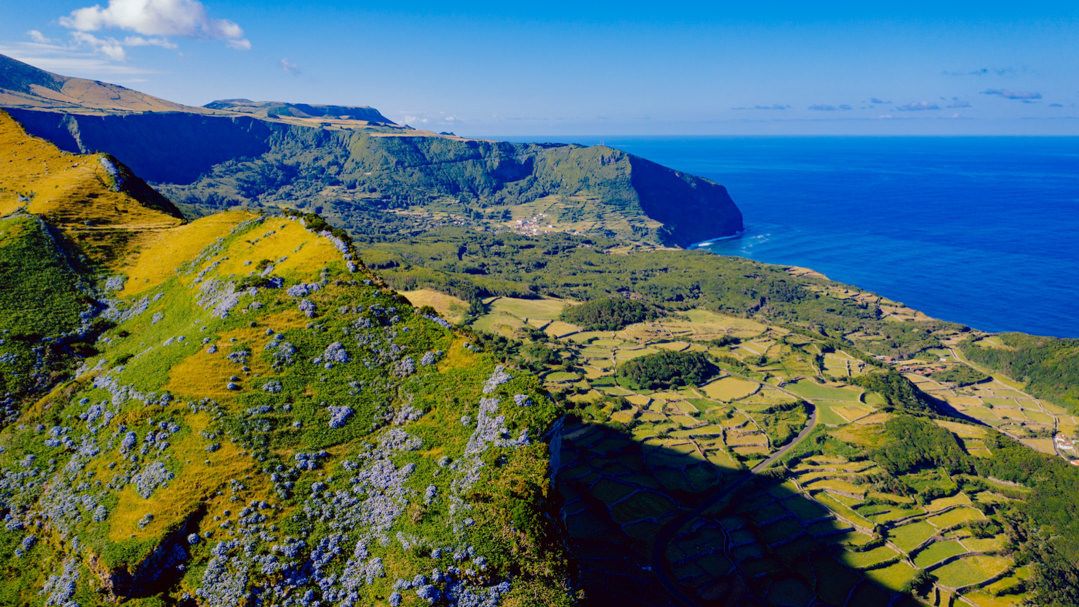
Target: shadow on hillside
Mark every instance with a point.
(765, 545)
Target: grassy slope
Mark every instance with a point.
(92, 198)
(415, 474)
(219, 449)
(41, 299)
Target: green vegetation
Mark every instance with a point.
(914, 443)
(474, 266)
(41, 295)
(961, 375)
(666, 370)
(608, 314)
(292, 394)
(42, 300)
(213, 163)
(1049, 366)
(264, 410)
(897, 391)
(255, 414)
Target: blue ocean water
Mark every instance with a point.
(977, 230)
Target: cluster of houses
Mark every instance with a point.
(1066, 448)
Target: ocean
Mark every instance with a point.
(983, 231)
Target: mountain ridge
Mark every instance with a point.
(25, 86)
(373, 177)
(279, 109)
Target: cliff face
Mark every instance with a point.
(163, 147)
(210, 162)
(703, 210)
(363, 171)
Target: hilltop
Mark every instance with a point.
(97, 201)
(280, 109)
(229, 409)
(375, 178)
(25, 86)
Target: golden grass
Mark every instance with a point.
(205, 375)
(962, 430)
(449, 307)
(304, 253)
(160, 253)
(731, 388)
(74, 192)
(457, 357)
(201, 474)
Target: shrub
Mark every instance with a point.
(915, 443)
(667, 369)
(609, 314)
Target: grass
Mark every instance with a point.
(227, 442)
(158, 255)
(730, 389)
(830, 413)
(76, 194)
(449, 307)
(894, 576)
(869, 558)
(971, 570)
(814, 392)
(938, 551)
(42, 298)
(911, 535)
(955, 517)
(40, 295)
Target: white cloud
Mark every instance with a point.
(289, 67)
(429, 119)
(157, 19)
(109, 47)
(38, 37)
(141, 41)
(72, 59)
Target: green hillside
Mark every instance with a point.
(43, 301)
(1049, 366)
(365, 173)
(255, 415)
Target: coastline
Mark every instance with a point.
(704, 244)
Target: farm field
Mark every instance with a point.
(999, 402)
(634, 463)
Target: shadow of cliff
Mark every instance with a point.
(761, 543)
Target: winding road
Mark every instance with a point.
(668, 532)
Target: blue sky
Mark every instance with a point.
(596, 68)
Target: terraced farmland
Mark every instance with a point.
(661, 479)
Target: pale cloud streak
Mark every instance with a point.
(289, 67)
(1024, 96)
(77, 56)
(109, 47)
(155, 20)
